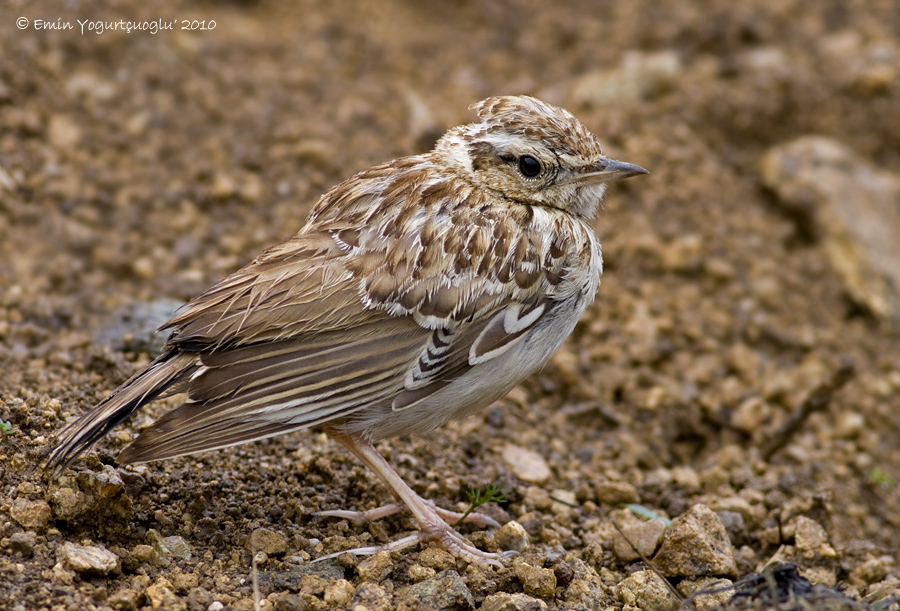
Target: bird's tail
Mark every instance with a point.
(77, 438)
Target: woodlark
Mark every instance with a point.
(419, 291)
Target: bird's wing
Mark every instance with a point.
(351, 313)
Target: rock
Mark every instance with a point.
(536, 580)
(646, 590)
(528, 466)
(716, 592)
(376, 567)
(133, 327)
(267, 541)
(512, 537)
(641, 76)
(338, 593)
(417, 573)
(32, 515)
(503, 601)
(811, 539)
(145, 553)
(437, 558)
(696, 545)
(162, 596)
(22, 543)
(373, 597)
(90, 559)
(850, 206)
(646, 537)
(616, 493)
(126, 599)
(872, 571)
(444, 592)
(168, 547)
(91, 498)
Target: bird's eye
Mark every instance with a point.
(529, 166)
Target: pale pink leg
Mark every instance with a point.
(431, 525)
(369, 515)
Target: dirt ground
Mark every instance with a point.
(137, 168)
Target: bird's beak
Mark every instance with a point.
(605, 170)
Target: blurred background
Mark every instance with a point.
(136, 169)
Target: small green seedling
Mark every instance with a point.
(6, 429)
(477, 498)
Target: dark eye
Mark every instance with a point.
(529, 166)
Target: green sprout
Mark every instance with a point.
(6, 429)
(477, 498)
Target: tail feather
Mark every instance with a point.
(76, 439)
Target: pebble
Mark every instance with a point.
(445, 591)
(268, 541)
(616, 493)
(162, 596)
(503, 601)
(851, 207)
(338, 593)
(32, 515)
(811, 539)
(535, 580)
(376, 567)
(696, 545)
(90, 559)
(528, 466)
(371, 597)
(645, 536)
(512, 536)
(91, 497)
(22, 543)
(646, 590)
(640, 76)
(717, 592)
(417, 573)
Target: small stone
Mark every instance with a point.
(418, 573)
(640, 76)
(528, 466)
(872, 571)
(811, 539)
(696, 545)
(376, 567)
(126, 599)
(90, 559)
(339, 592)
(646, 590)
(512, 537)
(717, 592)
(145, 553)
(444, 592)
(819, 574)
(371, 597)
(63, 132)
(91, 498)
(168, 547)
(616, 493)
(646, 537)
(437, 558)
(536, 580)
(268, 541)
(22, 543)
(182, 582)
(32, 515)
(503, 601)
(162, 596)
(850, 206)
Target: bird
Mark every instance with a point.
(419, 291)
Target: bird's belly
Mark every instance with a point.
(481, 385)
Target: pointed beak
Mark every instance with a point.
(605, 170)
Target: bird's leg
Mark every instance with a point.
(431, 520)
(361, 517)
